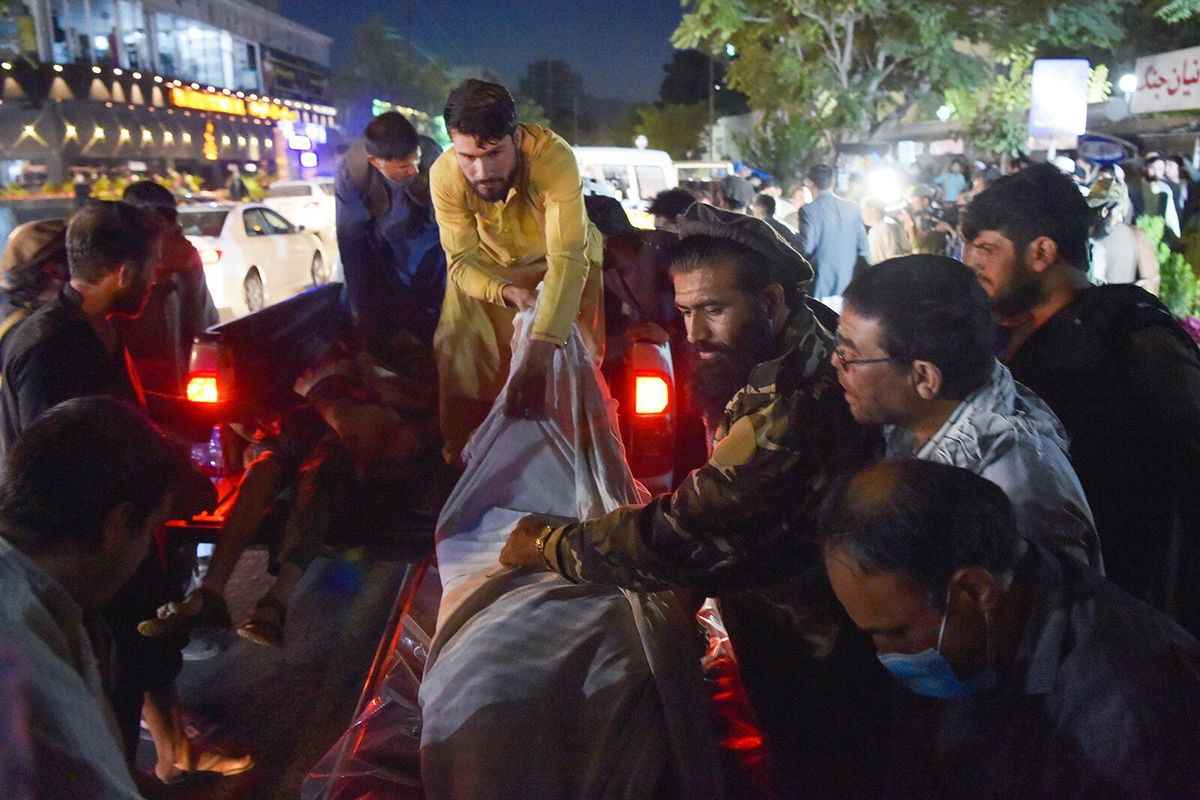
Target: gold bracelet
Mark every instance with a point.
(540, 545)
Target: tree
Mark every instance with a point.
(676, 128)
(528, 111)
(847, 68)
(687, 82)
(996, 114)
(778, 146)
(555, 87)
(384, 64)
(1178, 10)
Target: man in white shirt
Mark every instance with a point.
(84, 488)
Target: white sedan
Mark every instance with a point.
(306, 202)
(252, 255)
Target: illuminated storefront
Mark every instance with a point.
(151, 81)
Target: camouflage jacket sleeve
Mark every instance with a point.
(744, 518)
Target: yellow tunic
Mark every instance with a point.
(539, 232)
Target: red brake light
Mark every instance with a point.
(202, 388)
(210, 256)
(651, 394)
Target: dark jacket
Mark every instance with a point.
(56, 355)
(395, 268)
(1101, 699)
(1124, 379)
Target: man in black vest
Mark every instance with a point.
(1116, 368)
(395, 268)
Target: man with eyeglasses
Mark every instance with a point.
(742, 527)
(395, 270)
(914, 355)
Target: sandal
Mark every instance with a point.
(265, 624)
(207, 761)
(176, 618)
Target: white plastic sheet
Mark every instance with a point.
(536, 687)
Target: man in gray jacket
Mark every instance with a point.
(832, 236)
(915, 355)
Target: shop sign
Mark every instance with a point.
(1167, 82)
(184, 97)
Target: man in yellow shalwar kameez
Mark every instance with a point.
(510, 212)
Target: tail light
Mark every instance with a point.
(202, 388)
(210, 256)
(651, 394)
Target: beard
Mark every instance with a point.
(1021, 294)
(496, 189)
(716, 379)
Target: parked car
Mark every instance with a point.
(632, 175)
(306, 202)
(252, 255)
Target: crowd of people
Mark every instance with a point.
(950, 510)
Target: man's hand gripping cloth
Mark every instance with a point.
(536, 687)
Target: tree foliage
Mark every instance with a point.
(687, 80)
(777, 146)
(558, 89)
(675, 128)
(384, 64)
(847, 68)
(1178, 10)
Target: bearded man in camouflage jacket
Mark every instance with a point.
(742, 527)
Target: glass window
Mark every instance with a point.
(202, 223)
(326, 186)
(192, 51)
(16, 30)
(277, 223)
(70, 32)
(134, 35)
(254, 223)
(289, 190)
(651, 181)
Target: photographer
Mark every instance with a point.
(926, 225)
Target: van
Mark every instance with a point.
(634, 176)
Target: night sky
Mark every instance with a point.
(618, 48)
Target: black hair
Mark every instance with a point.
(1038, 201)
(670, 203)
(74, 465)
(753, 271)
(481, 109)
(821, 175)
(930, 308)
(765, 203)
(390, 136)
(153, 197)
(106, 233)
(923, 520)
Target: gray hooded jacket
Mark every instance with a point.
(1004, 432)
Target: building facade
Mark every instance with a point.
(196, 85)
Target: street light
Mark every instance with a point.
(1128, 83)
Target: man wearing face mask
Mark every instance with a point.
(395, 270)
(1025, 673)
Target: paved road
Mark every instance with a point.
(287, 706)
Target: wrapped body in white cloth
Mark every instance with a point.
(536, 687)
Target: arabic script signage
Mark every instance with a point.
(1167, 82)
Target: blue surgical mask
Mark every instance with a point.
(929, 673)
